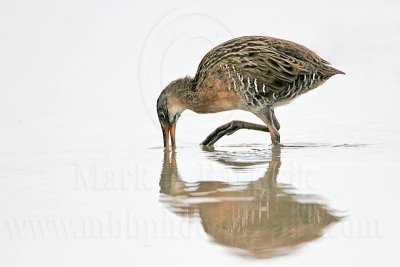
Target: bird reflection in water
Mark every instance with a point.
(262, 218)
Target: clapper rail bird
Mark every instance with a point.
(250, 73)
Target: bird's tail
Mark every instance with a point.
(334, 71)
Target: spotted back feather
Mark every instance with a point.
(264, 70)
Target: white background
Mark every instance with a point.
(78, 85)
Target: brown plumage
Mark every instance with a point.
(251, 73)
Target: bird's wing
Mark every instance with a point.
(302, 53)
(274, 63)
(271, 68)
(295, 50)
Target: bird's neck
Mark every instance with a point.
(183, 93)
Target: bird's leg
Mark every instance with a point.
(275, 120)
(268, 117)
(229, 128)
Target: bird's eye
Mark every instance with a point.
(161, 115)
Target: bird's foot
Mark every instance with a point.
(275, 138)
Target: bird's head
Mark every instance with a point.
(172, 101)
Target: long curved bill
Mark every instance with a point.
(167, 132)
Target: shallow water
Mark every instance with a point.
(231, 204)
